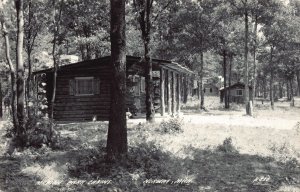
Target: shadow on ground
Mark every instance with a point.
(12, 179)
(203, 170)
(149, 168)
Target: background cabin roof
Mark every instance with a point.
(235, 85)
(134, 65)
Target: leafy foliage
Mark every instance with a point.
(38, 125)
(144, 161)
(172, 125)
(39, 133)
(227, 146)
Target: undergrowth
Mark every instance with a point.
(38, 129)
(145, 160)
(172, 125)
(227, 146)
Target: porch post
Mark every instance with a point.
(173, 93)
(178, 92)
(169, 91)
(162, 91)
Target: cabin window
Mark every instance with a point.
(80, 86)
(136, 88)
(143, 87)
(84, 86)
(239, 92)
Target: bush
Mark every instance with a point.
(259, 106)
(39, 129)
(284, 152)
(172, 125)
(227, 146)
(89, 161)
(149, 158)
(39, 132)
(9, 129)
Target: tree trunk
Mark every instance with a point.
(229, 78)
(292, 92)
(275, 92)
(150, 112)
(1, 102)
(28, 47)
(287, 90)
(264, 88)
(83, 56)
(56, 24)
(198, 90)
(257, 87)
(201, 74)
(254, 61)
(271, 79)
(21, 132)
(246, 70)
(298, 82)
(117, 129)
(280, 90)
(271, 90)
(88, 52)
(28, 83)
(225, 80)
(12, 77)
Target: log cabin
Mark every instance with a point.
(210, 89)
(83, 89)
(236, 92)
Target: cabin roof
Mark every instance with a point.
(133, 64)
(235, 85)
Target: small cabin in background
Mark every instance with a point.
(67, 59)
(83, 90)
(236, 92)
(296, 101)
(210, 89)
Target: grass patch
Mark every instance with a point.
(175, 155)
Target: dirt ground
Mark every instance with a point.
(218, 150)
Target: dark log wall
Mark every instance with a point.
(81, 108)
(69, 107)
(49, 86)
(233, 97)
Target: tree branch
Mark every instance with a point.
(164, 8)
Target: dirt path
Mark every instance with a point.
(236, 118)
(241, 120)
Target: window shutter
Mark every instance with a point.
(96, 86)
(72, 87)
